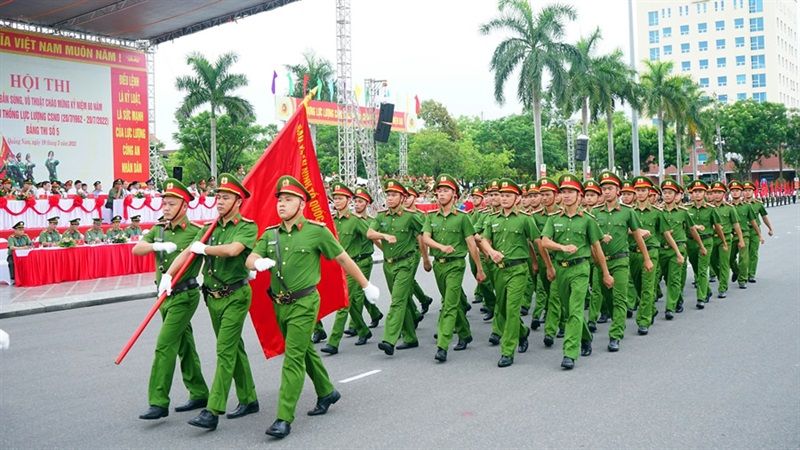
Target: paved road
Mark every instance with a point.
(727, 376)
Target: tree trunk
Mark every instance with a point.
(660, 145)
(610, 127)
(780, 162)
(585, 131)
(537, 133)
(694, 157)
(213, 144)
(678, 154)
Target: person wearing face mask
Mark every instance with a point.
(227, 294)
(175, 339)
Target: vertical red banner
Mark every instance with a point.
(130, 125)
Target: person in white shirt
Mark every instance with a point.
(69, 188)
(44, 189)
(98, 189)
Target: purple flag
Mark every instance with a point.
(274, 77)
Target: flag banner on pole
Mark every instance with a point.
(291, 153)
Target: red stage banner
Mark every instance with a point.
(327, 113)
(291, 153)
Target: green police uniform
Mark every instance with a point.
(703, 214)
(375, 314)
(134, 229)
(227, 295)
(416, 290)
(93, 236)
(740, 257)
(650, 218)
(547, 300)
(755, 242)
(72, 235)
(487, 288)
(50, 236)
(720, 257)
(476, 216)
(679, 222)
(450, 229)
(175, 339)
(16, 242)
(400, 266)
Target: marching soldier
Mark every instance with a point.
(227, 292)
(352, 229)
(707, 223)
(574, 234)
(175, 339)
(95, 234)
(400, 230)
(755, 239)
(410, 203)
(50, 236)
(18, 241)
(450, 236)
(554, 319)
(489, 295)
(592, 194)
(292, 249)
(509, 239)
(115, 231)
(740, 256)
(479, 209)
(134, 230)
(539, 304)
(729, 221)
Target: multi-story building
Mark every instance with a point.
(735, 49)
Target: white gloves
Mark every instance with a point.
(372, 292)
(165, 285)
(198, 247)
(262, 264)
(252, 275)
(167, 247)
(4, 341)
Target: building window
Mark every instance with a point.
(720, 25)
(756, 24)
(720, 44)
(702, 46)
(654, 37)
(652, 18)
(741, 96)
(654, 54)
(756, 42)
(722, 81)
(684, 30)
(704, 82)
(760, 96)
(722, 62)
(685, 48)
(740, 42)
(667, 50)
(703, 64)
(739, 60)
(723, 99)
(758, 61)
(759, 80)
(738, 23)
(667, 32)
(741, 79)
(756, 6)
(686, 66)
(702, 27)
(722, 5)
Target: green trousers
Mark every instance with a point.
(530, 288)
(721, 263)
(486, 289)
(227, 318)
(402, 312)
(633, 295)
(598, 303)
(556, 307)
(510, 290)
(754, 245)
(684, 270)
(617, 296)
(674, 274)
(700, 266)
(542, 293)
(740, 261)
(372, 310)
(573, 283)
(449, 278)
(175, 339)
(300, 358)
(355, 310)
(644, 282)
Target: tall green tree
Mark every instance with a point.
(535, 48)
(318, 69)
(620, 87)
(661, 91)
(792, 152)
(212, 86)
(437, 117)
(685, 113)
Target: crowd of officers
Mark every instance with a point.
(551, 248)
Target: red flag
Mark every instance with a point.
(5, 150)
(305, 84)
(417, 107)
(291, 153)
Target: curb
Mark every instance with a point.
(74, 305)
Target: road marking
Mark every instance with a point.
(360, 376)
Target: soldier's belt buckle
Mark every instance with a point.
(564, 263)
(501, 265)
(441, 260)
(282, 298)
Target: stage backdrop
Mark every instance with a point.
(86, 103)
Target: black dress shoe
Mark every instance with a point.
(700, 305)
(318, 336)
(629, 313)
(154, 412)
(568, 363)
(642, 331)
(668, 315)
(722, 295)
(350, 332)
(505, 361)
(243, 410)
(329, 349)
(462, 344)
(586, 348)
(375, 322)
(653, 320)
(323, 403)
(734, 276)
(523, 311)
(426, 304)
(523, 345)
(363, 339)
(386, 347)
(441, 355)
(548, 341)
(712, 280)
(535, 323)
(488, 316)
(603, 319)
(205, 420)
(484, 309)
(751, 280)
(191, 405)
(592, 327)
(494, 339)
(679, 308)
(613, 345)
(560, 333)
(477, 300)
(407, 345)
(279, 429)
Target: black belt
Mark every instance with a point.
(287, 298)
(649, 247)
(225, 291)
(362, 256)
(400, 258)
(706, 236)
(446, 259)
(666, 246)
(572, 262)
(619, 255)
(184, 286)
(511, 263)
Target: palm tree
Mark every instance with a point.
(686, 114)
(534, 47)
(318, 69)
(212, 86)
(662, 91)
(620, 88)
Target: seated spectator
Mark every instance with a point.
(7, 188)
(45, 189)
(50, 236)
(115, 232)
(193, 188)
(133, 188)
(212, 186)
(83, 191)
(18, 241)
(72, 234)
(69, 188)
(150, 189)
(201, 187)
(116, 192)
(98, 189)
(95, 234)
(134, 231)
(56, 188)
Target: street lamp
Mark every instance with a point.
(719, 142)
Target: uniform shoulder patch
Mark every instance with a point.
(321, 224)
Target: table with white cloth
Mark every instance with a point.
(201, 209)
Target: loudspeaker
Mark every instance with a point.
(382, 132)
(384, 126)
(387, 113)
(177, 173)
(581, 146)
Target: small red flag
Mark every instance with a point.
(305, 84)
(5, 150)
(417, 107)
(291, 153)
